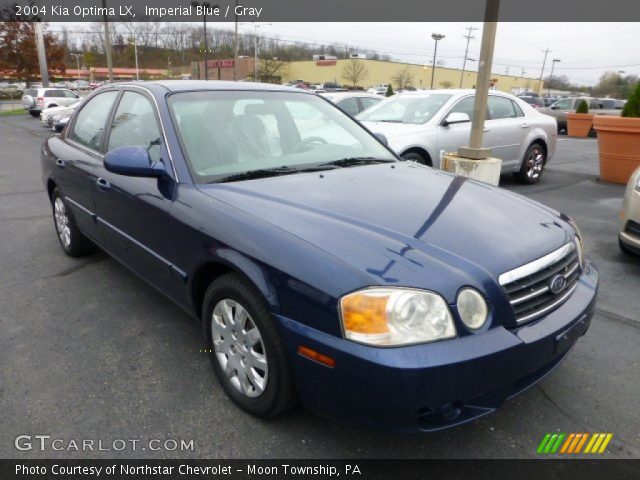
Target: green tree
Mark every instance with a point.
(389, 91)
(632, 107)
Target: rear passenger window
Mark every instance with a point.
(500, 107)
(135, 125)
(349, 105)
(519, 112)
(88, 129)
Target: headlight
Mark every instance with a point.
(472, 308)
(579, 246)
(395, 316)
(580, 250)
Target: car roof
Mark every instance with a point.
(203, 85)
(341, 95)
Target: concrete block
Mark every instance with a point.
(486, 170)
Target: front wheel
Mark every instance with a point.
(415, 157)
(535, 159)
(245, 348)
(34, 113)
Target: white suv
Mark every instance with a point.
(37, 99)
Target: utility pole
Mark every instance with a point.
(553, 64)
(42, 57)
(469, 37)
(544, 62)
(506, 71)
(235, 45)
(523, 72)
(107, 41)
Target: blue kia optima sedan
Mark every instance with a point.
(323, 268)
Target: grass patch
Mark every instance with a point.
(11, 113)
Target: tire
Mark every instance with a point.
(626, 250)
(415, 157)
(265, 389)
(71, 239)
(533, 163)
(34, 113)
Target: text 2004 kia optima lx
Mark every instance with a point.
(322, 268)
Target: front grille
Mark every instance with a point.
(633, 228)
(536, 289)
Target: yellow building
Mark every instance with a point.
(380, 72)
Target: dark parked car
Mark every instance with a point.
(535, 102)
(321, 267)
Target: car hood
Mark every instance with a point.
(391, 129)
(404, 223)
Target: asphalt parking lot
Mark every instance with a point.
(88, 350)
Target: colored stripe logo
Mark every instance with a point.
(574, 443)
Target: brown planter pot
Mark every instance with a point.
(579, 124)
(618, 147)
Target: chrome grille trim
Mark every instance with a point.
(530, 287)
(535, 266)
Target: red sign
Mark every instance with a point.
(325, 63)
(220, 63)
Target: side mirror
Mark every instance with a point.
(381, 138)
(455, 117)
(133, 162)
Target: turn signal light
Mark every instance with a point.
(316, 356)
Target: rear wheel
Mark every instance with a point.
(34, 113)
(71, 239)
(246, 351)
(415, 157)
(535, 159)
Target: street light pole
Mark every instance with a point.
(553, 64)
(436, 37)
(205, 6)
(77, 57)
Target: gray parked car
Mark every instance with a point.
(560, 109)
(421, 126)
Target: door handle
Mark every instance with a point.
(103, 184)
(486, 129)
(525, 125)
(60, 163)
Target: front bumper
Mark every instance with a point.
(438, 385)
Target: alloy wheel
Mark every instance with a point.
(62, 222)
(239, 348)
(535, 163)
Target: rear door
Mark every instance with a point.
(80, 158)
(508, 129)
(134, 212)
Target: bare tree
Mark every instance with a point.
(268, 70)
(403, 79)
(446, 84)
(354, 71)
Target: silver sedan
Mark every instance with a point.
(422, 126)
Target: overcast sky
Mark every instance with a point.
(583, 48)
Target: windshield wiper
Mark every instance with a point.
(352, 161)
(271, 172)
(259, 173)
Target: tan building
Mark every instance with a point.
(377, 72)
(380, 72)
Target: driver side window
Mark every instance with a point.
(135, 125)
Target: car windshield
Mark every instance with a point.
(226, 133)
(406, 109)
